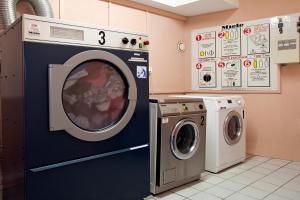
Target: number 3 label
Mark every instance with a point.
(102, 38)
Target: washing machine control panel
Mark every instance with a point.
(181, 108)
(40, 29)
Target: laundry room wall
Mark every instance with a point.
(273, 120)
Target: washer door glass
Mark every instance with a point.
(185, 139)
(94, 95)
(233, 128)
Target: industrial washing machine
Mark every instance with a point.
(75, 111)
(177, 141)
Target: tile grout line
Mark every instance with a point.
(270, 183)
(247, 185)
(235, 192)
(281, 186)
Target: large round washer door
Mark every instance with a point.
(92, 96)
(233, 127)
(185, 139)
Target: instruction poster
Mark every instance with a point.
(230, 41)
(238, 56)
(231, 73)
(207, 75)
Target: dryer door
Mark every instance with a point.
(92, 96)
(233, 128)
(185, 139)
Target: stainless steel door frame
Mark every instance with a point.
(174, 136)
(58, 120)
(236, 115)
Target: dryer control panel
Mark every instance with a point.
(47, 30)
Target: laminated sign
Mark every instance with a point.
(242, 56)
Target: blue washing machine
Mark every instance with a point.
(75, 110)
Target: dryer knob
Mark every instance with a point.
(133, 42)
(125, 40)
(200, 106)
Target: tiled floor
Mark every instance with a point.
(257, 178)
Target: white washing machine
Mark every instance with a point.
(225, 131)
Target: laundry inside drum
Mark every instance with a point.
(95, 95)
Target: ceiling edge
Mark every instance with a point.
(149, 9)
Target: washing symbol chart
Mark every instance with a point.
(236, 57)
(258, 39)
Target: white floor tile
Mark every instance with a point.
(269, 166)
(253, 162)
(275, 197)
(219, 191)
(168, 196)
(289, 194)
(292, 186)
(243, 179)
(260, 158)
(261, 170)
(275, 180)
(294, 166)
(235, 170)
(213, 179)
(238, 196)
(253, 175)
(225, 175)
(278, 162)
(296, 180)
(285, 170)
(204, 196)
(284, 176)
(268, 187)
(230, 185)
(202, 186)
(245, 166)
(185, 191)
(255, 193)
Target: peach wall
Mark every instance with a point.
(166, 61)
(273, 120)
(88, 11)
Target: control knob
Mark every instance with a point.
(133, 42)
(125, 40)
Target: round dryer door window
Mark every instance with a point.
(233, 127)
(185, 139)
(92, 96)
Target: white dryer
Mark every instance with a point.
(225, 131)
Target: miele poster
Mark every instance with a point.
(243, 53)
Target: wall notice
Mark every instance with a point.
(207, 75)
(258, 38)
(258, 72)
(231, 74)
(230, 41)
(206, 44)
(243, 56)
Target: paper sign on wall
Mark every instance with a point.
(240, 56)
